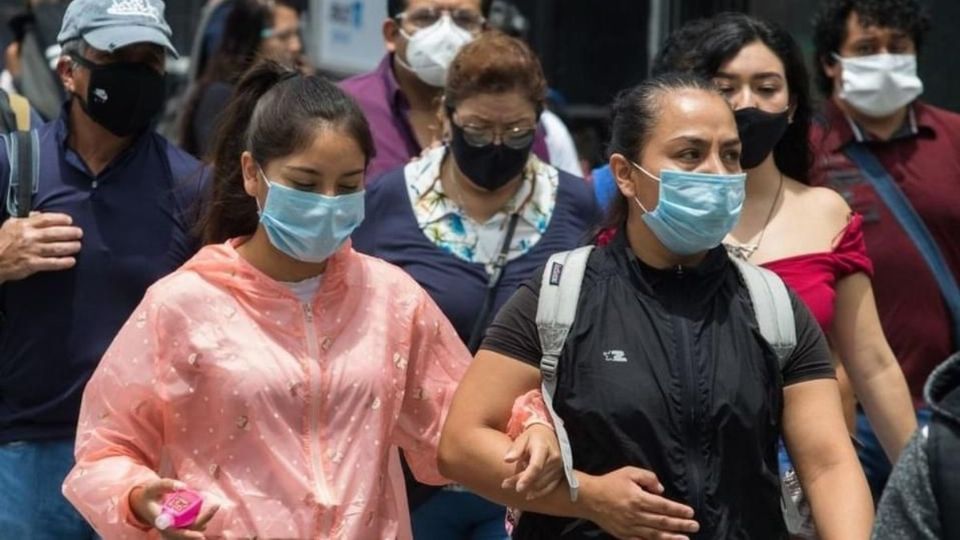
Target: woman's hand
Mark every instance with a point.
(146, 501)
(539, 466)
(627, 503)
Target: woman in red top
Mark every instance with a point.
(807, 235)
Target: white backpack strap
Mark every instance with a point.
(771, 304)
(774, 312)
(556, 311)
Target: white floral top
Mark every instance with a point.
(445, 223)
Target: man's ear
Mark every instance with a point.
(831, 67)
(65, 70)
(391, 34)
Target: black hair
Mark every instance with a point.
(635, 113)
(275, 111)
(396, 7)
(704, 45)
(237, 51)
(830, 27)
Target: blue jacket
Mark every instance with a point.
(136, 218)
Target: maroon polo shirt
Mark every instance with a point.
(387, 110)
(923, 157)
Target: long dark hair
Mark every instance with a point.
(242, 36)
(275, 111)
(636, 112)
(702, 46)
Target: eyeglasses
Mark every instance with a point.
(420, 18)
(281, 35)
(516, 137)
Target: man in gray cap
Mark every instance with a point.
(112, 212)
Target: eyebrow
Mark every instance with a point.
(730, 142)
(689, 139)
(353, 173)
(307, 170)
(763, 75)
(479, 120)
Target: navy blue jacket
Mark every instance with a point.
(136, 218)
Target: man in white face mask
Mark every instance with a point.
(401, 96)
(895, 160)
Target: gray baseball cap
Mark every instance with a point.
(108, 25)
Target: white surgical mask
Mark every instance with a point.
(880, 84)
(430, 50)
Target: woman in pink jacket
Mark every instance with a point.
(277, 369)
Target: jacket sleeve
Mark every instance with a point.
(908, 507)
(437, 361)
(120, 432)
(528, 409)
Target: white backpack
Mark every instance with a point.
(556, 311)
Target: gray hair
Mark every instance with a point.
(78, 47)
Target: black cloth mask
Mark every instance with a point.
(759, 132)
(491, 166)
(124, 97)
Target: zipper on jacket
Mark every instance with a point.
(314, 372)
(692, 423)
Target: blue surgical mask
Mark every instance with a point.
(308, 226)
(696, 210)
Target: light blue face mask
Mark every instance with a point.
(696, 210)
(308, 226)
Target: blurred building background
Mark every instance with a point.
(590, 49)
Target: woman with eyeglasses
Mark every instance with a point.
(474, 218)
(253, 28)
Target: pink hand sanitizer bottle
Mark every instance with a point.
(180, 509)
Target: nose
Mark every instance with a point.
(296, 45)
(713, 165)
(743, 99)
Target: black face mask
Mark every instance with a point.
(122, 97)
(759, 132)
(490, 167)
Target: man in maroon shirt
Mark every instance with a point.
(401, 97)
(866, 54)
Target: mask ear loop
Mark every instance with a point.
(268, 182)
(644, 171)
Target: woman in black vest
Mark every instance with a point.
(672, 398)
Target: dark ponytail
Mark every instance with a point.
(274, 112)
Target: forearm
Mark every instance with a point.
(474, 458)
(100, 489)
(886, 400)
(840, 500)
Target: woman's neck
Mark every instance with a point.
(648, 248)
(259, 252)
(479, 204)
(763, 181)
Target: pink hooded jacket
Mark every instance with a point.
(284, 413)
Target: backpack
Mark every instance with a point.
(23, 149)
(14, 113)
(556, 312)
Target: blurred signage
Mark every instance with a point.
(346, 35)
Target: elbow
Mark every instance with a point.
(447, 455)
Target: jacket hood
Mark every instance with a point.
(942, 391)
